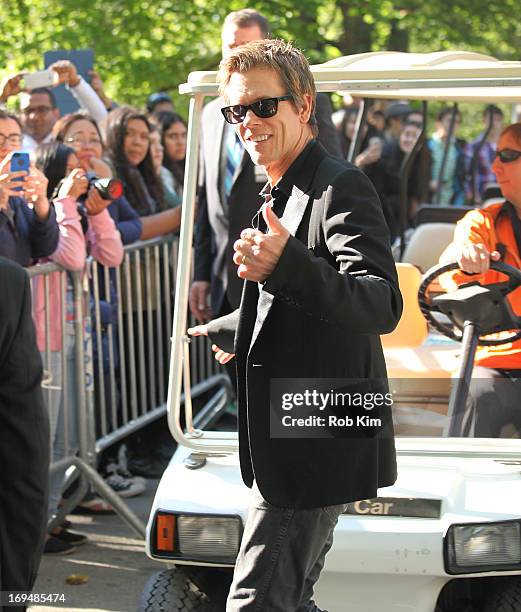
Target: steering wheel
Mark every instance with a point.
(428, 307)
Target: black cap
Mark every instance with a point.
(156, 98)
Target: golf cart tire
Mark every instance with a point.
(184, 589)
(172, 590)
(506, 597)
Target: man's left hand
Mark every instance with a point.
(202, 330)
(256, 253)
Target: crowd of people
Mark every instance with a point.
(391, 131)
(54, 211)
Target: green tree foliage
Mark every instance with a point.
(142, 46)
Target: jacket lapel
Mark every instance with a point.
(296, 205)
(291, 219)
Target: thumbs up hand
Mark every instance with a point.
(257, 254)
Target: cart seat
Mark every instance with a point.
(418, 365)
(427, 243)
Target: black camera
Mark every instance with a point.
(108, 188)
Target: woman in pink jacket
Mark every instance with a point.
(84, 230)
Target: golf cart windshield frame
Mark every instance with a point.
(443, 76)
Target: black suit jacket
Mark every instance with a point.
(220, 224)
(24, 435)
(319, 315)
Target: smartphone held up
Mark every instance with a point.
(41, 78)
(20, 161)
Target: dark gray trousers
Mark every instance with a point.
(281, 556)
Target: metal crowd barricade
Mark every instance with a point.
(132, 359)
(122, 321)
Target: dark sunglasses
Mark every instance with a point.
(262, 108)
(508, 155)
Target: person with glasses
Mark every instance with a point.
(28, 227)
(483, 235)
(320, 288)
(38, 107)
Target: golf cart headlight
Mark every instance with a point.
(209, 538)
(483, 547)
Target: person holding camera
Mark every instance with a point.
(81, 132)
(85, 227)
(28, 228)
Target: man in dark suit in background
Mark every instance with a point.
(229, 196)
(320, 288)
(24, 437)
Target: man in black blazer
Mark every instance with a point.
(24, 437)
(320, 288)
(224, 210)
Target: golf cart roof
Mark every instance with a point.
(456, 76)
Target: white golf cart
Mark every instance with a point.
(447, 536)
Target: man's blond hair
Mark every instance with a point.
(284, 59)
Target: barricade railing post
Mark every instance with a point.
(102, 408)
(160, 340)
(140, 335)
(149, 337)
(79, 347)
(122, 350)
(131, 359)
(112, 357)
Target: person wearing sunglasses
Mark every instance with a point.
(320, 288)
(490, 234)
(229, 194)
